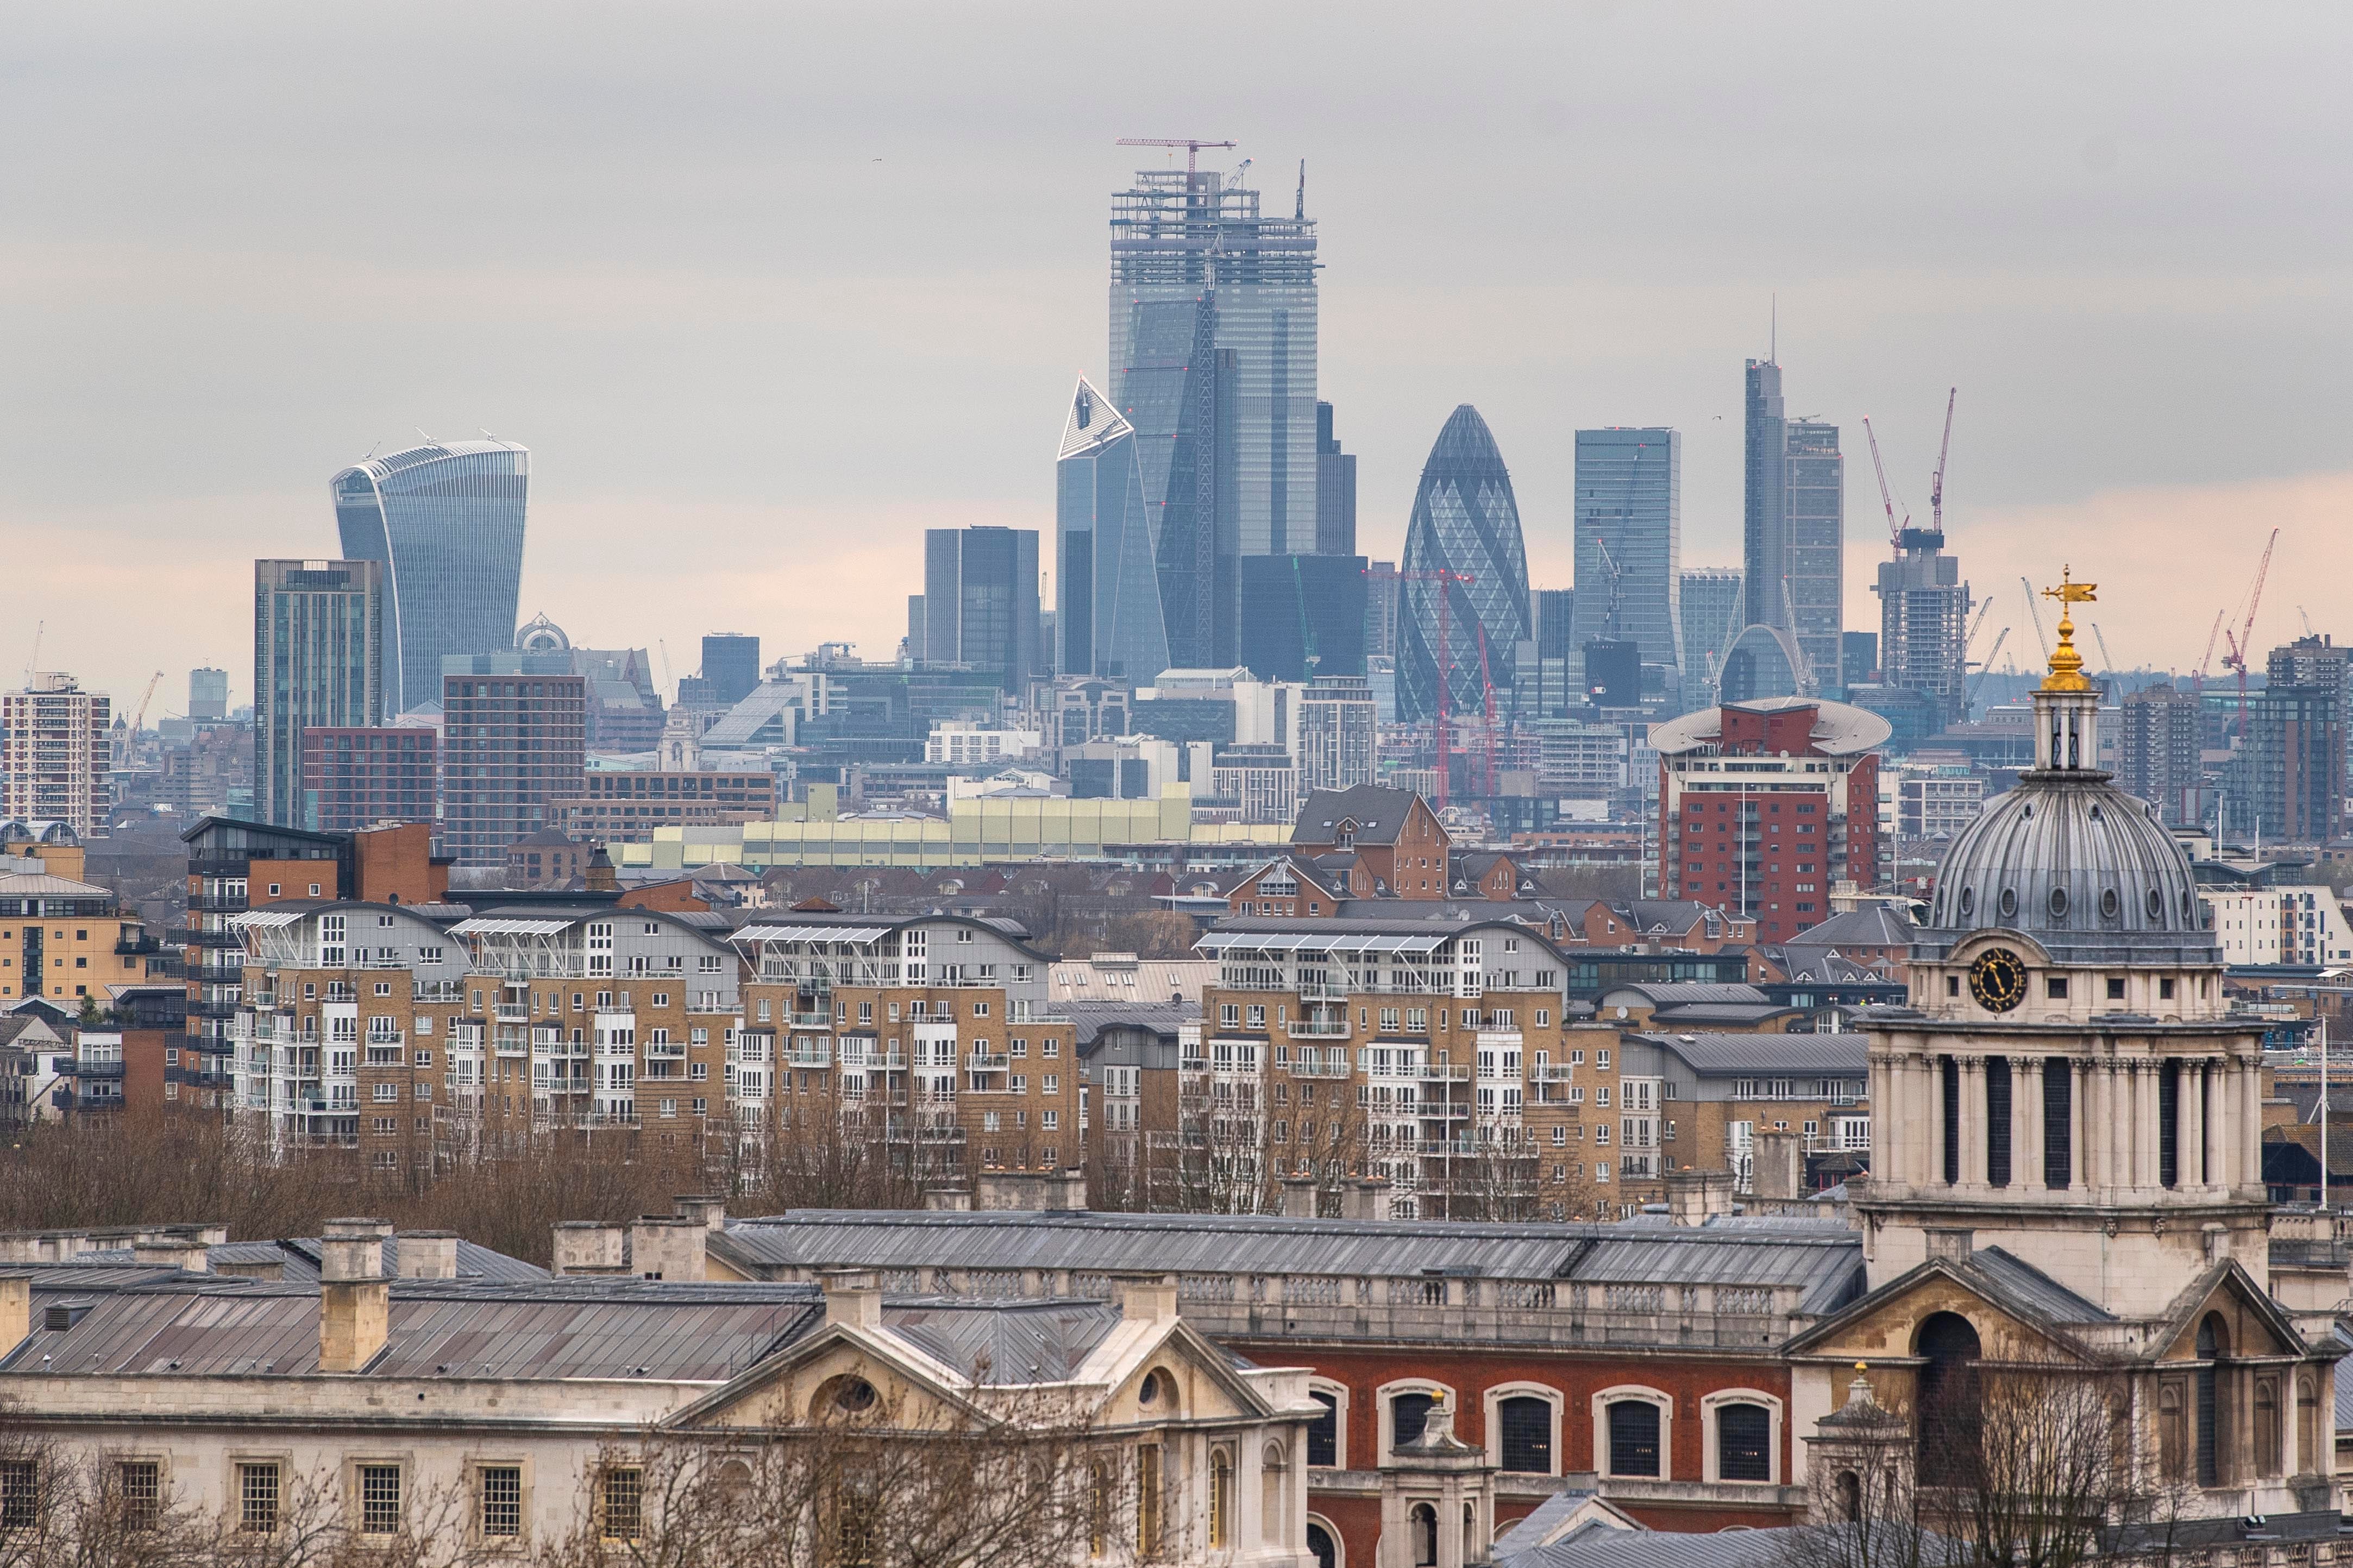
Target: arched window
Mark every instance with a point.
(1744, 1443)
(1322, 1544)
(1323, 1432)
(1525, 1427)
(1634, 1438)
(1408, 1414)
(2213, 1345)
(1221, 1497)
(2307, 1426)
(1950, 1410)
(1422, 1525)
(2267, 1426)
(1274, 1495)
(1850, 1496)
(1100, 1490)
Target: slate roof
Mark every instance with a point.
(1684, 992)
(1873, 925)
(1599, 1545)
(1379, 813)
(1093, 1018)
(1726, 1056)
(1004, 1342)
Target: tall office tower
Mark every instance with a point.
(1213, 362)
(447, 521)
(1794, 525)
(513, 742)
(1302, 616)
(1858, 659)
(207, 695)
(1629, 552)
(1924, 623)
(1338, 742)
(1335, 489)
(980, 601)
(1465, 523)
(56, 763)
(1712, 618)
(322, 638)
(1541, 689)
(731, 663)
(2157, 753)
(1382, 605)
(2290, 783)
(354, 778)
(1108, 613)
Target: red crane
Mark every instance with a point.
(2197, 678)
(2236, 658)
(1443, 576)
(1487, 688)
(1887, 501)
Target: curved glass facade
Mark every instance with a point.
(1464, 520)
(446, 520)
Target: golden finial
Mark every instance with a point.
(2066, 664)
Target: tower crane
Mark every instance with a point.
(2108, 661)
(2198, 676)
(1936, 484)
(1192, 145)
(1887, 499)
(1985, 608)
(1445, 577)
(35, 662)
(2035, 614)
(1984, 669)
(2235, 657)
(140, 721)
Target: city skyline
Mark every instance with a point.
(656, 381)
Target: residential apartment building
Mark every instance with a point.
(353, 777)
(55, 760)
(1393, 832)
(1715, 1094)
(1763, 805)
(617, 806)
(513, 743)
(934, 1034)
(1932, 800)
(62, 938)
(1337, 745)
(2157, 753)
(1444, 1061)
(320, 639)
(2279, 925)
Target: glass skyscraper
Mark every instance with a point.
(320, 635)
(731, 663)
(1213, 362)
(980, 601)
(1712, 618)
(447, 521)
(1465, 520)
(1794, 525)
(1629, 552)
(1107, 592)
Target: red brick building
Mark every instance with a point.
(1764, 805)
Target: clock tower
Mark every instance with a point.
(2069, 1084)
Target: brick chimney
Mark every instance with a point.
(354, 1296)
(1365, 1200)
(1299, 1197)
(602, 878)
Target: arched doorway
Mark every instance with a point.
(1950, 1405)
(1325, 1544)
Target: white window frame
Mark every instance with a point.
(1331, 1531)
(1711, 1459)
(1494, 1399)
(1386, 1392)
(1604, 1398)
(1339, 1393)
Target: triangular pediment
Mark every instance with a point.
(2017, 1312)
(794, 1387)
(2255, 1325)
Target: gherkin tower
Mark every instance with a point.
(1466, 522)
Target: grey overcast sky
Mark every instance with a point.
(769, 288)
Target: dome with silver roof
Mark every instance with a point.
(2087, 871)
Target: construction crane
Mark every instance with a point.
(2306, 617)
(2235, 656)
(140, 721)
(1887, 499)
(34, 663)
(2198, 676)
(1983, 671)
(1439, 721)
(1936, 484)
(1985, 608)
(663, 644)
(2035, 614)
(1192, 145)
(2107, 661)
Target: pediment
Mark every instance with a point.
(2011, 1324)
(798, 1386)
(2253, 1324)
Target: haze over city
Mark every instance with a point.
(768, 292)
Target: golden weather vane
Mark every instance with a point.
(2066, 664)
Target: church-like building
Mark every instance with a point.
(2070, 1162)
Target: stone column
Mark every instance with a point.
(2152, 1125)
(1973, 1122)
(2225, 1079)
(2189, 1125)
(2092, 1149)
(2251, 1126)
(2026, 1102)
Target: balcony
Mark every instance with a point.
(511, 1012)
(1551, 1073)
(217, 973)
(436, 991)
(987, 1061)
(218, 903)
(1442, 1072)
(812, 1054)
(1322, 989)
(809, 1020)
(1318, 1029)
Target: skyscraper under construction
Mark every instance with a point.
(1924, 621)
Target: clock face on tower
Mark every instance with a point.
(1997, 980)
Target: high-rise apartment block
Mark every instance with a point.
(1338, 742)
(447, 521)
(980, 601)
(1794, 525)
(54, 764)
(2290, 783)
(1335, 489)
(731, 663)
(207, 695)
(320, 640)
(515, 737)
(1924, 623)
(2158, 753)
(1382, 604)
(1764, 805)
(354, 778)
(1629, 550)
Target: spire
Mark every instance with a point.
(1299, 205)
(2066, 664)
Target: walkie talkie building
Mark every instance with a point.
(446, 520)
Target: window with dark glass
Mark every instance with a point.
(1950, 1071)
(1634, 1438)
(1526, 1423)
(1408, 1414)
(1997, 1093)
(2169, 1124)
(1744, 1443)
(2058, 1123)
(1323, 1432)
